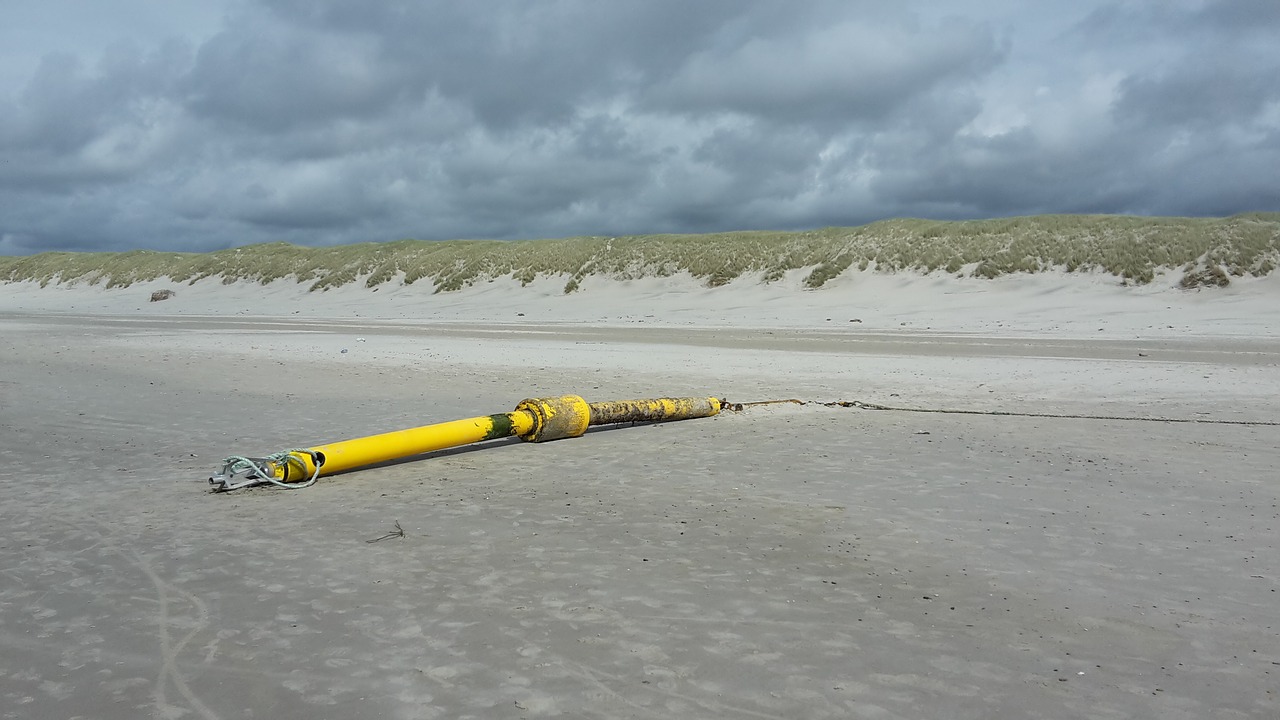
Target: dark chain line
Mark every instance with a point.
(738, 407)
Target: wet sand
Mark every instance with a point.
(783, 562)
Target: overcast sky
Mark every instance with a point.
(198, 126)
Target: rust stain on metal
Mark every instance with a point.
(657, 410)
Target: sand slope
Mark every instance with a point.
(1046, 304)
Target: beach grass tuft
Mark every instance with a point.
(1207, 251)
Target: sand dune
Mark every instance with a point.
(1046, 304)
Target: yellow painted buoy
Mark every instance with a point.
(533, 420)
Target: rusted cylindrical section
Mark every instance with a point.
(656, 410)
(555, 418)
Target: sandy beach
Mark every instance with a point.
(787, 561)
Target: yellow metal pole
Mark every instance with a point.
(534, 420)
(359, 452)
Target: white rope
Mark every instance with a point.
(260, 467)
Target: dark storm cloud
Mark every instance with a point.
(341, 120)
(1182, 119)
(525, 62)
(852, 72)
(1223, 69)
(280, 79)
(73, 124)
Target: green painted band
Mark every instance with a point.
(501, 427)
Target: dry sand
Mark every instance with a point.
(784, 562)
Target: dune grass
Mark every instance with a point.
(1207, 251)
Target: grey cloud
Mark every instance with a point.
(1201, 94)
(73, 124)
(1229, 17)
(1014, 174)
(277, 79)
(1239, 15)
(1202, 65)
(520, 62)
(1190, 129)
(327, 121)
(845, 73)
(518, 180)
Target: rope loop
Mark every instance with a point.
(261, 467)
